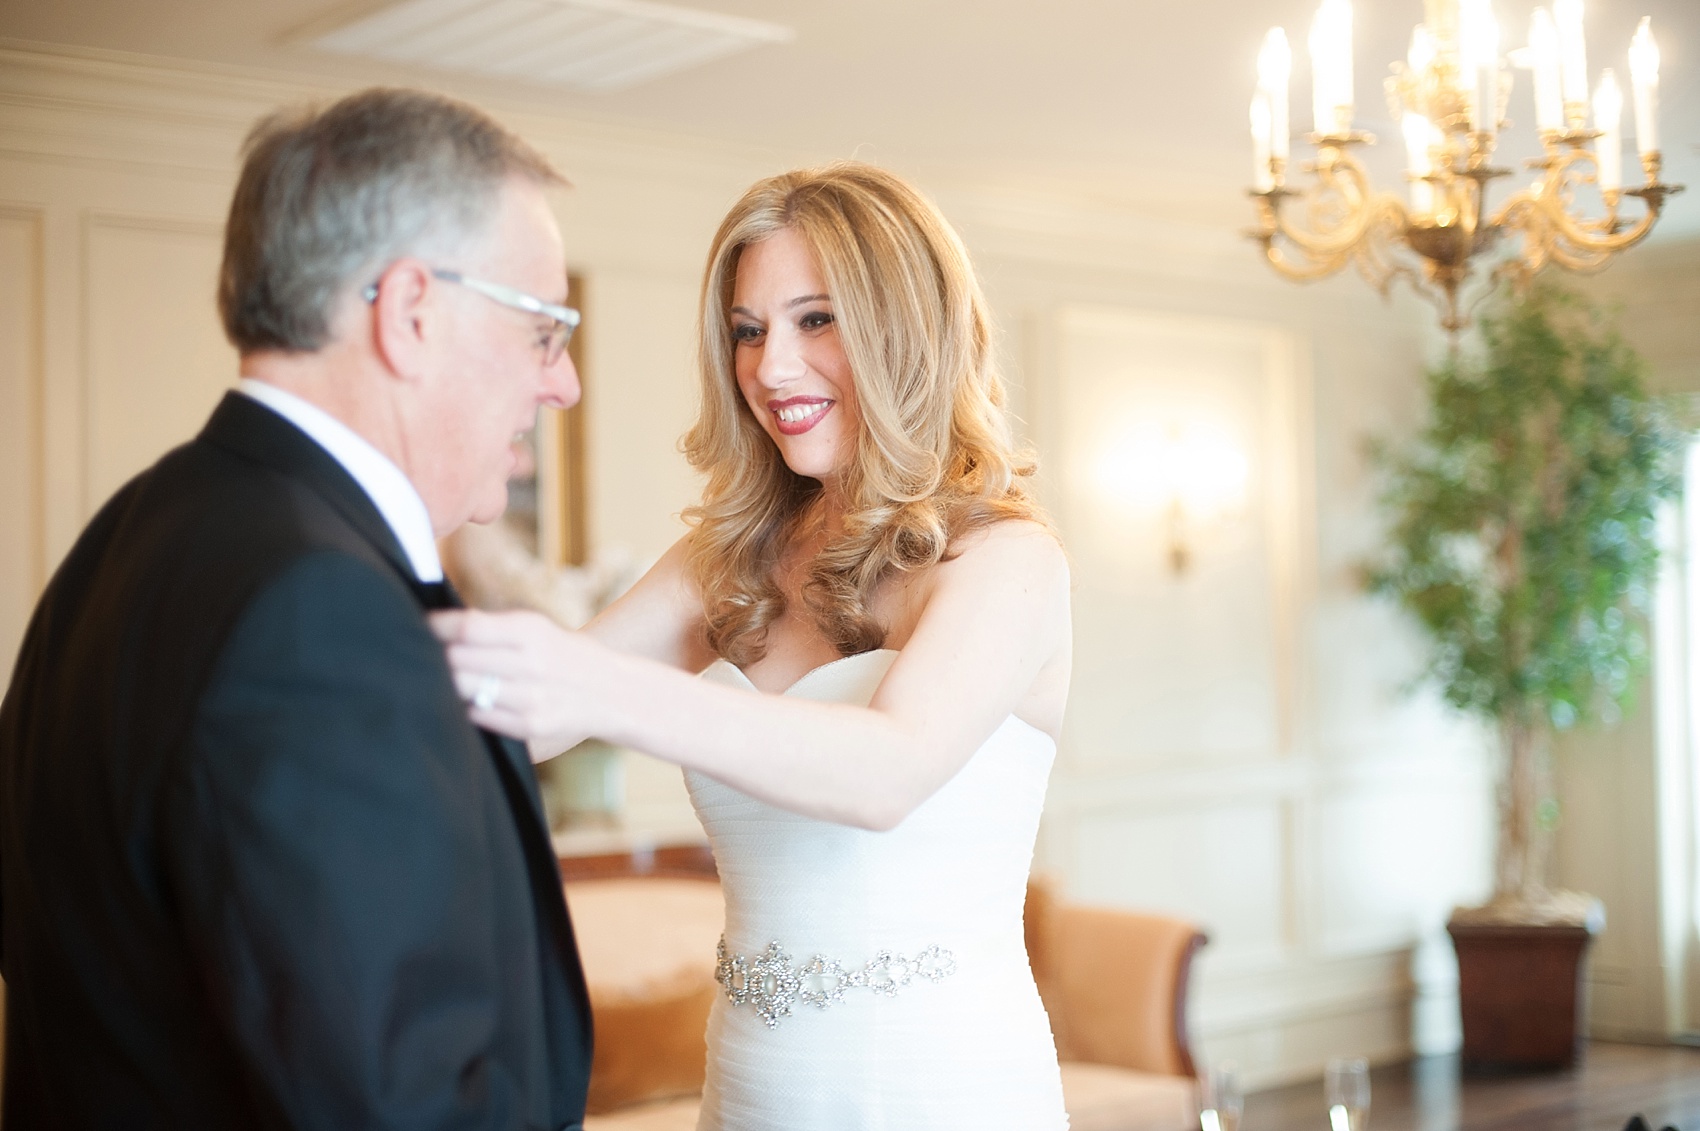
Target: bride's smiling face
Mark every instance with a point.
(788, 358)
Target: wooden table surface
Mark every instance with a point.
(1612, 1082)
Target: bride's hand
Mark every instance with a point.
(523, 675)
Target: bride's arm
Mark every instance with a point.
(997, 617)
(660, 617)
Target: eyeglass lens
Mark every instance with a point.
(559, 335)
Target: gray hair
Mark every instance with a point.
(330, 195)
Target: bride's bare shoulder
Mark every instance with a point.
(660, 616)
(1020, 546)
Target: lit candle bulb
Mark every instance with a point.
(1274, 71)
(1418, 133)
(1608, 119)
(1331, 67)
(1262, 178)
(1479, 55)
(1572, 51)
(1644, 78)
(1489, 71)
(1343, 101)
(1421, 55)
(1543, 62)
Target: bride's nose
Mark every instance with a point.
(782, 361)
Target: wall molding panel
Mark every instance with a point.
(154, 356)
(23, 564)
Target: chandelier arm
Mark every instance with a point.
(1573, 238)
(1549, 235)
(1353, 189)
(1387, 273)
(1584, 261)
(1521, 216)
(1310, 269)
(1373, 255)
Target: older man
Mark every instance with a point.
(256, 868)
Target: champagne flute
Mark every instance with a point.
(1347, 1085)
(1223, 1098)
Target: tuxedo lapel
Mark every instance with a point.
(442, 595)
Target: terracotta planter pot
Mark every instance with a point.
(1520, 993)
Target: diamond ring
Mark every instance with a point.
(484, 697)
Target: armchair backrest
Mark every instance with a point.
(1115, 982)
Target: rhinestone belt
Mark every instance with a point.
(769, 982)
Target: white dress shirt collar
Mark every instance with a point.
(384, 483)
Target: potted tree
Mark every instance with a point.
(1523, 540)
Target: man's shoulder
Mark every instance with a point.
(331, 589)
(219, 522)
(178, 556)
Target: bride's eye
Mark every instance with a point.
(816, 319)
(746, 332)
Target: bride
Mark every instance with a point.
(880, 617)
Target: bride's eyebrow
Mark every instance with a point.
(748, 313)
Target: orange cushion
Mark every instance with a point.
(1100, 1097)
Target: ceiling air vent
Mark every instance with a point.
(592, 45)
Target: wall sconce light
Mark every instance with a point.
(1192, 475)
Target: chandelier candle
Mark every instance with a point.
(1644, 80)
(1274, 72)
(1572, 60)
(1262, 168)
(1543, 65)
(1419, 134)
(1478, 35)
(1331, 68)
(1608, 119)
(1450, 95)
(1421, 55)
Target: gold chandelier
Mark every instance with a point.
(1450, 97)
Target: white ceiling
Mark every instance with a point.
(1142, 103)
(586, 45)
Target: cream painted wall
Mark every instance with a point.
(1239, 750)
(1629, 806)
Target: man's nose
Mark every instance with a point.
(561, 387)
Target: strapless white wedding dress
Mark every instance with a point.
(881, 978)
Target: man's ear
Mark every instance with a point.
(407, 316)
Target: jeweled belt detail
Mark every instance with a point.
(769, 982)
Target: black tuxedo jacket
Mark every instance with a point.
(256, 868)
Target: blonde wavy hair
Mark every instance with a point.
(934, 459)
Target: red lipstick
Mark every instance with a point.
(804, 413)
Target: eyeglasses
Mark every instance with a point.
(564, 318)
